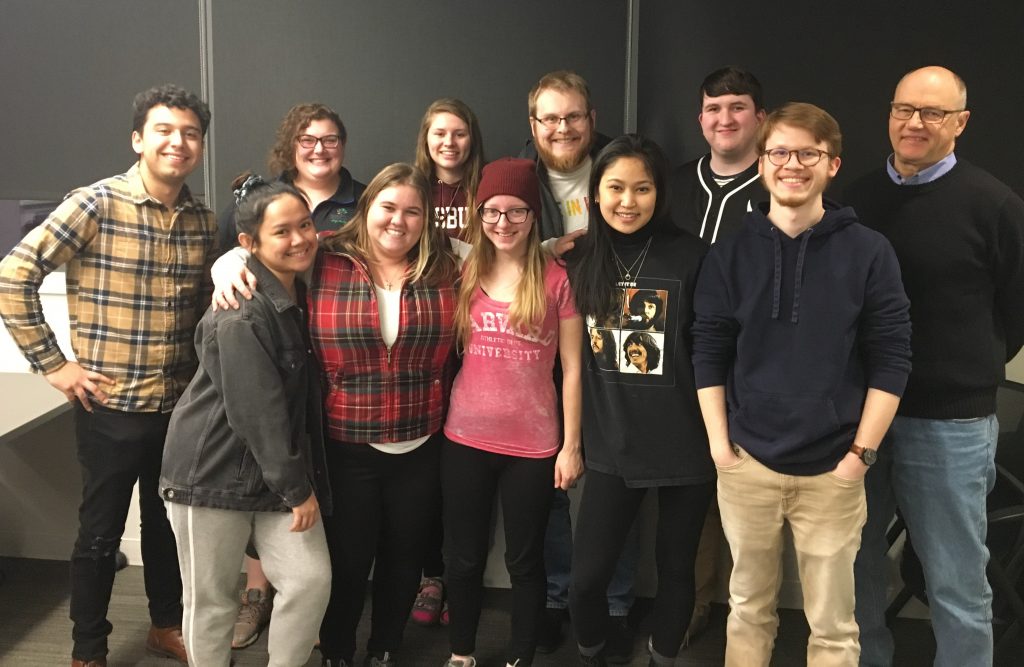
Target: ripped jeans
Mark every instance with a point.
(115, 449)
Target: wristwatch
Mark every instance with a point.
(868, 456)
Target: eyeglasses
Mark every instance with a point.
(554, 121)
(327, 141)
(928, 114)
(808, 157)
(516, 216)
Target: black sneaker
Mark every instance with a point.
(549, 631)
(618, 647)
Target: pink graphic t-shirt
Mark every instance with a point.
(503, 400)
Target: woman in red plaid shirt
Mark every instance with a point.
(382, 311)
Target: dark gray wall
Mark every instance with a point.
(845, 57)
(379, 64)
(68, 73)
(69, 70)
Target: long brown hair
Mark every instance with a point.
(474, 162)
(431, 260)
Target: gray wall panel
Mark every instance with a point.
(69, 70)
(380, 64)
(845, 57)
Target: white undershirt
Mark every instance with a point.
(389, 305)
(570, 191)
(389, 302)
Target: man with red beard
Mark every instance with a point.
(797, 387)
(564, 144)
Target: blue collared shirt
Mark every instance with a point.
(926, 175)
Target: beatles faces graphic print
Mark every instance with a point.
(632, 340)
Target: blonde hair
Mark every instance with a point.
(564, 81)
(529, 304)
(814, 120)
(431, 260)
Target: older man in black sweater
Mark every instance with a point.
(959, 236)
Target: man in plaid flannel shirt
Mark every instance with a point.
(137, 248)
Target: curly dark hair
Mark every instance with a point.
(169, 95)
(282, 154)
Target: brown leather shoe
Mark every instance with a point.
(167, 642)
(95, 662)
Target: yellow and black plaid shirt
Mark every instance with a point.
(137, 284)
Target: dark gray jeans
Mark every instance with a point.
(116, 449)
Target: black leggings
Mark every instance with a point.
(606, 512)
(469, 478)
(383, 504)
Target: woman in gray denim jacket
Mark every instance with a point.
(244, 453)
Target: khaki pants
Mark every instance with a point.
(826, 514)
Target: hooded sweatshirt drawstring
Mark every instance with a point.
(798, 278)
(777, 283)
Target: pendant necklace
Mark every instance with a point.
(384, 279)
(443, 211)
(627, 273)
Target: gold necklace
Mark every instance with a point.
(389, 282)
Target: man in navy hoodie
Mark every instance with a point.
(801, 352)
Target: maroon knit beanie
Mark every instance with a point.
(510, 176)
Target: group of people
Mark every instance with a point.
(381, 361)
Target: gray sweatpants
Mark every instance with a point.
(211, 543)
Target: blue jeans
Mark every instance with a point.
(939, 473)
(558, 561)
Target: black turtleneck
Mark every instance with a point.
(637, 238)
(647, 427)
